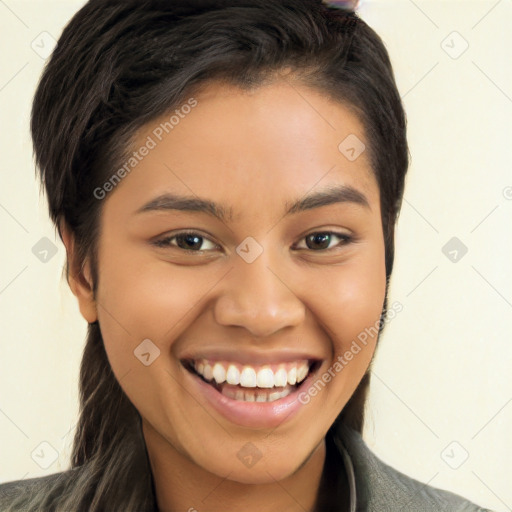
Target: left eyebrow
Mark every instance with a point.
(329, 195)
(325, 197)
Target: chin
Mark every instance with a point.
(261, 469)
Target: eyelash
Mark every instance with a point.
(166, 241)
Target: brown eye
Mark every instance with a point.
(185, 240)
(321, 241)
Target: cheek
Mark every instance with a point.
(349, 314)
(140, 301)
(143, 298)
(360, 298)
(146, 295)
(354, 298)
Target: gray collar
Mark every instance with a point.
(376, 486)
(349, 468)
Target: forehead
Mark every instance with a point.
(277, 138)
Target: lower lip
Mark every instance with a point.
(252, 414)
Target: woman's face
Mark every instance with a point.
(265, 287)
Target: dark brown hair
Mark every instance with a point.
(120, 64)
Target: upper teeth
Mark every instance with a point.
(250, 376)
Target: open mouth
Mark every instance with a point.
(266, 383)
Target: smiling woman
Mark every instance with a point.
(234, 266)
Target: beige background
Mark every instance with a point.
(442, 386)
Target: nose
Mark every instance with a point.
(259, 297)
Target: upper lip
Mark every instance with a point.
(251, 357)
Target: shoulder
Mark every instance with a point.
(380, 487)
(19, 494)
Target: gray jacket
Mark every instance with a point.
(377, 487)
(374, 485)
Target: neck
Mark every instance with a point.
(182, 485)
